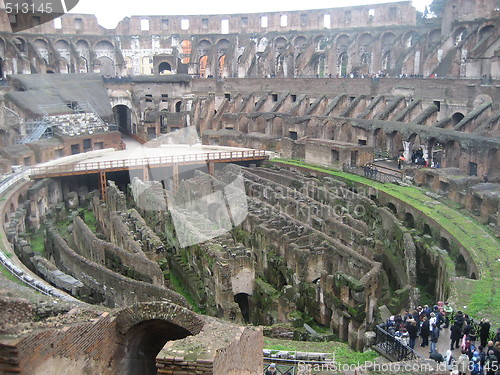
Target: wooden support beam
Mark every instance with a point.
(175, 176)
(145, 173)
(211, 168)
(102, 185)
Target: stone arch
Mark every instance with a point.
(459, 34)
(451, 154)
(300, 43)
(342, 41)
(365, 40)
(83, 65)
(280, 44)
(427, 229)
(185, 51)
(20, 44)
(461, 266)
(486, 31)
(396, 143)
(433, 38)
(12, 208)
(456, 118)
(392, 207)
(379, 140)
(6, 217)
(243, 301)
(20, 199)
(262, 44)
(409, 220)
(178, 106)
(434, 152)
(320, 43)
(106, 66)
(388, 40)
(104, 45)
(204, 47)
(493, 161)
(410, 39)
(203, 66)
(222, 47)
(444, 244)
(145, 328)
(386, 61)
(123, 117)
(165, 68)
(342, 64)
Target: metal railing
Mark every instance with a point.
(392, 347)
(373, 174)
(148, 162)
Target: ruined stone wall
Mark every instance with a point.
(122, 260)
(88, 347)
(14, 311)
(111, 288)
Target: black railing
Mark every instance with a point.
(372, 174)
(392, 348)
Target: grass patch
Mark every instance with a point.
(37, 241)
(90, 220)
(343, 354)
(9, 276)
(482, 301)
(179, 288)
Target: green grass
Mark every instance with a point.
(483, 299)
(90, 220)
(179, 288)
(9, 276)
(37, 241)
(343, 354)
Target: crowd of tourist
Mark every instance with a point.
(474, 349)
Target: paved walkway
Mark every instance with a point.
(443, 345)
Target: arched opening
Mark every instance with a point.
(123, 117)
(203, 66)
(393, 208)
(409, 220)
(427, 229)
(1, 68)
(493, 161)
(20, 199)
(178, 106)
(456, 118)
(486, 31)
(243, 301)
(6, 218)
(222, 61)
(165, 68)
(452, 154)
(342, 65)
(444, 244)
(461, 266)
(106, 66)
(144, 341)
(473, 276)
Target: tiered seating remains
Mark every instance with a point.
(77, 124)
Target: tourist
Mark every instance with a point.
(449, 360)
(412, 329)
(424, 332)
(271, 370)
(434, 337)
(491, 363)
(497, 336)
(463, 363)
(456, 334)
(448, 311)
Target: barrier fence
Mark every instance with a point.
(124, 164)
